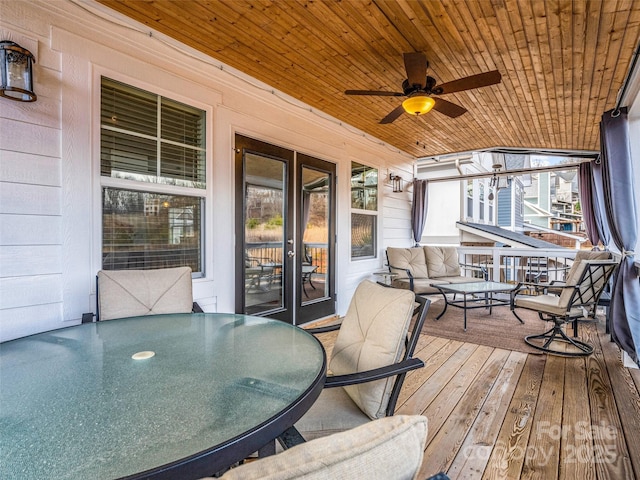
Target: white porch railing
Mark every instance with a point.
(514, 265)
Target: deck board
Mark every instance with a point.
(442, 450)
(473, 455)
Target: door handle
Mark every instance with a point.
(290, 253)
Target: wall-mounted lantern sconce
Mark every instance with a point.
(16, 70)
(396, 182)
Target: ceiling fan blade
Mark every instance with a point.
(393, 115)
(473, 81)
(447, 108)
(373, 92)
(416, 67)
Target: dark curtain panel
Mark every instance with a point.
(622, 217)
(597, 202)
(419, 208)
(587, 200)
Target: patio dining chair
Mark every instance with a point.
(371, 356)
(132, 293)
(578, 296)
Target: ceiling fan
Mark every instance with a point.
(420, 89)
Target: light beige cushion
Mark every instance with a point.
(459, 279)
(333, 412)
(421, 286)
(412, 259)
(574, 275)
(442, 261)
(372, 335)
(130, 293)
(389, 448)
(546, 304)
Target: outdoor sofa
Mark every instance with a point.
(420, 268)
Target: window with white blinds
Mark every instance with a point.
(149, 139)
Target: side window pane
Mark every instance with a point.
(364, 214)
(143, 230)
(363, 235)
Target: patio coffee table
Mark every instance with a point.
(469, 292)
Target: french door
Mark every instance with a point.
(285, 233)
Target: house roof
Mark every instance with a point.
(505, 236)
(562, 63)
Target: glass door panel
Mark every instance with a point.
(265, 189)
(316, 246)
(315, 235)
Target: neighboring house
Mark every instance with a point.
(551, 200)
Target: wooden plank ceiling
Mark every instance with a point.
(562, 62)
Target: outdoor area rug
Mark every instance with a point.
(500, 329)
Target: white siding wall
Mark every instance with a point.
(49, 180)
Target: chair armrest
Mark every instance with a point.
(325, 329)
(375, 374)
(196, 308)
(409, 274)
(537, 287)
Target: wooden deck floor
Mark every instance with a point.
(500, 414)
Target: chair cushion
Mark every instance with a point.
(130, 293)
(578, 267)
(442, 261)
(390, 448)
(547, 304)
(372, 335)
(332, 412)
(412, 259)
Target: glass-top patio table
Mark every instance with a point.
(475, 295)
(164, 396)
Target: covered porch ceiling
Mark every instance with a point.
(562, 62)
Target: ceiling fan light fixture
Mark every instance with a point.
(418, 105)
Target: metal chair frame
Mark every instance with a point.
(584, 298)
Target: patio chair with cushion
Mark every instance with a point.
(131, 293)
(578, 295)
(371, 356)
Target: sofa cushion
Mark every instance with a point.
(442, 261)
(403, 259)
(459, 280)
(391, 447)
(421, 286)
(131, 293)
(372, 335)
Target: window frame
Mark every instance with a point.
(101, 182)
